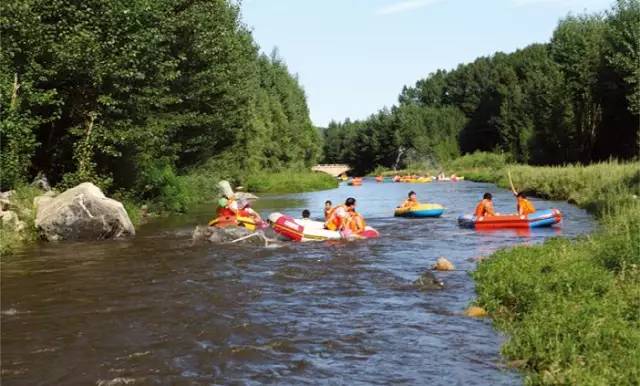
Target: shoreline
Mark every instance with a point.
(196, 190)
(570, 308)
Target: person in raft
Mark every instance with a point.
(344, 218)
(328, 209)
(226, 208)
(246, 211)
(411, 201)
(523, 206)
(485, 207)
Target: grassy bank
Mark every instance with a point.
(571, 308)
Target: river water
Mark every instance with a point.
(158, 309)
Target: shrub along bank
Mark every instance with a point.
(571, 308)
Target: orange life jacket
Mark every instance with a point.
(328, 213)
(484, 208)
(356, 223)
(524, 206)
(225, 212)
(335, 222)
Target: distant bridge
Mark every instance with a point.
(333, 169)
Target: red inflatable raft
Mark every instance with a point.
(541, 218)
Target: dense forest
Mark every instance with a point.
(126, 93)
(575, 99)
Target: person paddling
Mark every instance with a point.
(523, 206)
(485, 207)
(411, 201)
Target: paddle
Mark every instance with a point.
(513, 189)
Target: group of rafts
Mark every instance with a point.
(411, 179)
(344, 222)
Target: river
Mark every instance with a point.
(157, 309)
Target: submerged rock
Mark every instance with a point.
(428, 281)
(219, 235)
(235, 234)
(82, 213)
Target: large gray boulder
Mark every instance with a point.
(82, 213)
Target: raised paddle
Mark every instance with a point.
(513, 189)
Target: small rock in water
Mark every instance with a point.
(475, 312)
(443, 264)
(428, 281)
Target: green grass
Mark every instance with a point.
(22, 201)
(289, 182)
(571, 309)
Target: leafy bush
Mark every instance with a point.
(22, 200)
(163, 189)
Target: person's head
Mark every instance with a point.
(327, 204)
(350, 202)
(306, 213)
(521, 195)
(412, 195)
(487, 196)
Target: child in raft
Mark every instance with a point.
(306, 218)
(523, 206)
(411, 201)
(328, 209)
(344, 218)
(485, 207)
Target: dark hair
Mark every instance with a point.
(328, 202)
(521, 195)
(350, 201)
(487, 196)
(410, 193)
(306, 213)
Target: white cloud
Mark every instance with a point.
(404, 6)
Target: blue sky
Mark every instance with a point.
(353, 56)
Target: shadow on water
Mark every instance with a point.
(158, 309)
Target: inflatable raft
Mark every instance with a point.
(538, 219)
(231, 221)
(422, 210)
(309, 230)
